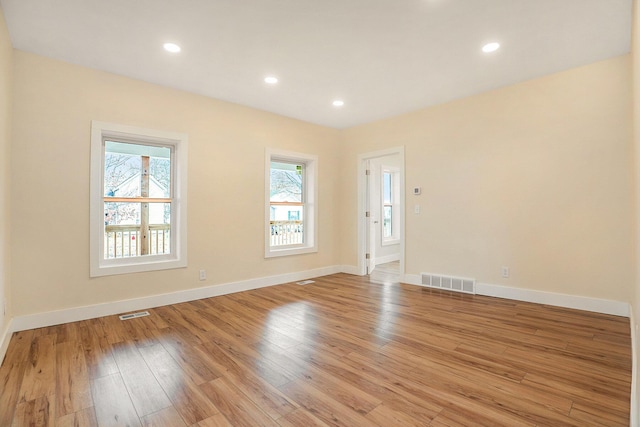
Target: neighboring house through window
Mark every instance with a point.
(138, 199)
(291, 209)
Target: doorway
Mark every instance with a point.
(381, 214)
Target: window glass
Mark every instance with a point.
(387, 220)
(135, 171)
(387, 188)
(287, 207)
(286, 182)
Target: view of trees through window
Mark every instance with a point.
(136, 172)
(286, 203)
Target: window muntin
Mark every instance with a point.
(138, 199)
(290, 198)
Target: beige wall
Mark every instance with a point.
(635, 305)
(6, 74)
(535, 176)
(54, 105)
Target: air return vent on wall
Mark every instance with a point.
(449, 283)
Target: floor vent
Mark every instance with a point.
(449, 283)
(134, 315)
(305, 282)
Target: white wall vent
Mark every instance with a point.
(134, 315)
(449, 283)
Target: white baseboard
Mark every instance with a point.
(350, 269)
(388, 258)
(597, 305)
(635, 384)
(57, 317)
(4, 340)
(412, 279)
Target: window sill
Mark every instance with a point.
(124, 267)
(298, 250)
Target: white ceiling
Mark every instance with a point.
(382, 57)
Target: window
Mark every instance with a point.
(387, 205)
(291, 210)
(390, 192)
(138, 199)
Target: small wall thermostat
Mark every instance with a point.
(417, 191)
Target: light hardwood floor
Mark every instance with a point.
(386, 273)
(339, 352)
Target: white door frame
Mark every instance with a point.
(363, 224)
(370, 240)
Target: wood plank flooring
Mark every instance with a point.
(340, 352)
(386, 273)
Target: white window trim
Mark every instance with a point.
(394, 239)
(178, 257)
(311, 206)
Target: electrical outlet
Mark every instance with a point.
(203, 274)
(505, 272)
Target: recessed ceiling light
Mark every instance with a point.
(338, 103)
(271, 80)
(171, 47)
(490, 47)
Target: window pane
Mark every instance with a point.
(123, 169)
(159, 213)
(159, 228)
(286, 182)
(387, 222)
(130, 213)
(159, 177)
(287, 225)
(286, 213)
(122, 229)
(121, 175)
(293, 215)
(387, 188)
(121, 213)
